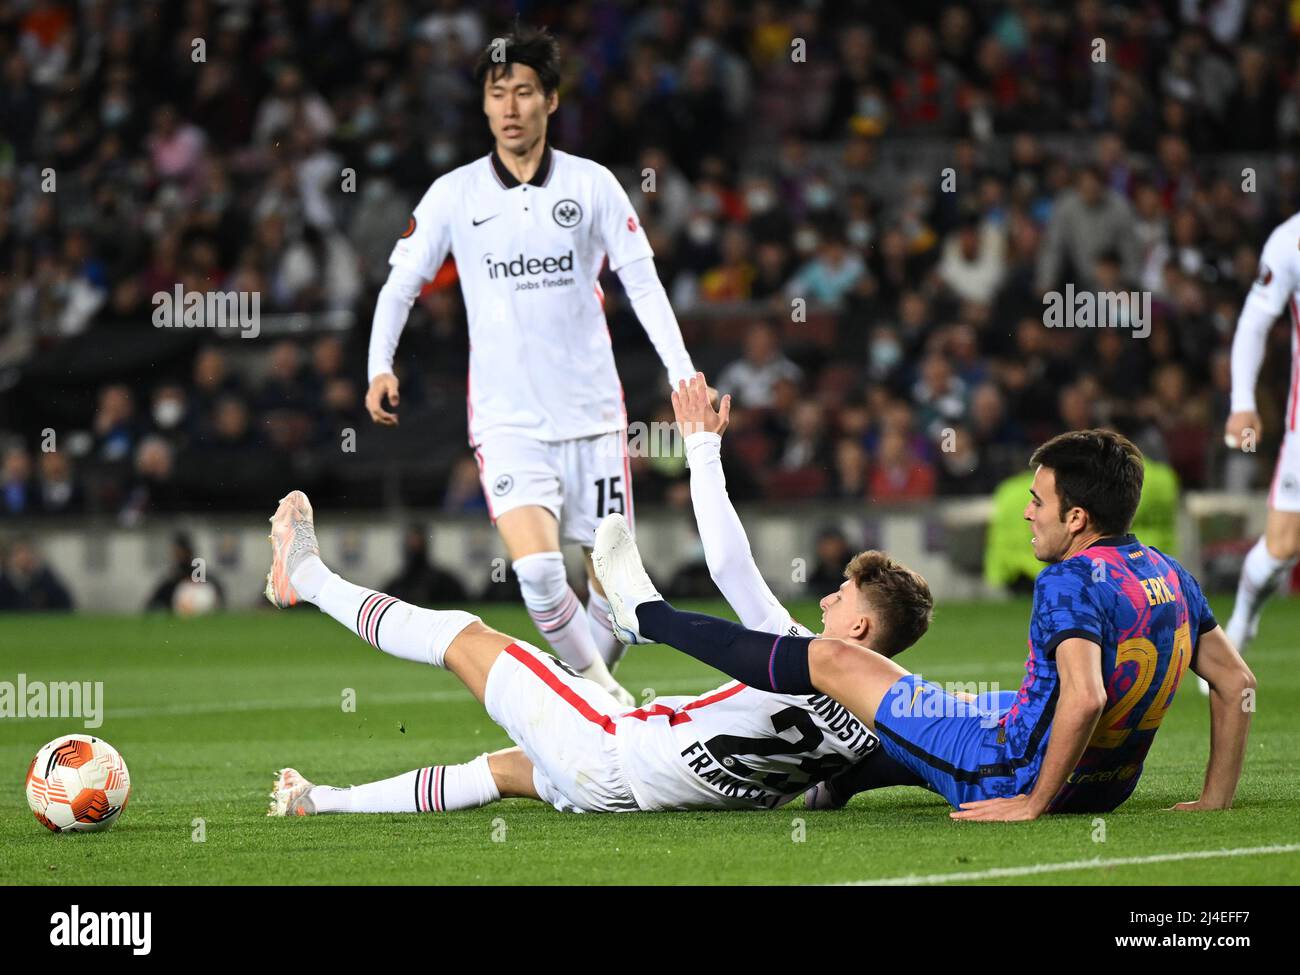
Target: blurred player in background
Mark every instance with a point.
(1275, 553)
(530, 228)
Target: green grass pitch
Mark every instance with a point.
(204, 710)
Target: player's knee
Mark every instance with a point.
(542, 579)
(1283, 538)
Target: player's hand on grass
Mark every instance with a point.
(383, 385)
(693, 407)
(1017, 809)
(1234, 431)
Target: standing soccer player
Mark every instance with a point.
(530, 228)
(1274, 554)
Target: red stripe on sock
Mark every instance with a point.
(553, 681)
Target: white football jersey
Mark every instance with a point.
(528, 256)
(737, 747)
(1277, 287)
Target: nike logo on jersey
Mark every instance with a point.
(485, 219)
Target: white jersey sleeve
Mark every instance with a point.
(1274, 287)
(392, 306)
(630, 256)
(650, 302)
(427, 240)
(726, 546)
(617, 225)
(415, 259)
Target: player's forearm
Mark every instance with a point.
(761, 660)
(726, 546)
(1072, 727)
(391, 309)
(646, 294)
(1248, 355)
(1229, 727)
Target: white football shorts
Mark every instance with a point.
(579, 481)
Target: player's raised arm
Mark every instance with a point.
(1232, 686)
(726, 546)
(1264, 302)
(632, 259)
(416, 257)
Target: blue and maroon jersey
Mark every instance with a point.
(1147, 613)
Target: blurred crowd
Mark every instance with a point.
(856, 210)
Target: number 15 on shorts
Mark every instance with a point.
(608, 487)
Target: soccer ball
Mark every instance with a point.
(77, 783)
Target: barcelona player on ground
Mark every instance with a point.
(1115, 626)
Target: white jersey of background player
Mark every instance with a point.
(530, 228)
(1276, 288)
(734, 747)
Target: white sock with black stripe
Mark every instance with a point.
(383, 621)
(438, 788)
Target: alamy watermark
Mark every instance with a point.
(1098, 309)
(53, 699)
(954, 699)
(179, 308)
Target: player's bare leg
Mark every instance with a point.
(531, 535)
(1267, 564)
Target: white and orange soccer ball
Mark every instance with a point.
(77, 783)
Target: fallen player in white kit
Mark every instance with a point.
(579, 750)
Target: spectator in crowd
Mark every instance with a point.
(27, 583)
(18, 496)
(750, 380)
(173, 591)
(899, 474)
(1086, 222)
(420, 581)
(832, 554)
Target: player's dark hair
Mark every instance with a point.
(899, 597)
(535, 47)
(1099, 471)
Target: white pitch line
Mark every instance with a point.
(915, 880)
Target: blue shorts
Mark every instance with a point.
(952, 744)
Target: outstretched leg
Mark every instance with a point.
(564, 760)
(451, 639)
(437, 788)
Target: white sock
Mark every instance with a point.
(555, 608)
(1261, 574)
(602, 631)
(385, 622)
(438, 788)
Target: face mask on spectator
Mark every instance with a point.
(700, 230)
(759, 201)
(168, 412)
(380, 154)
(805, 241)
(818, 196)
(885, 354)
(859, 233)
(442, 154)
(114, 113)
